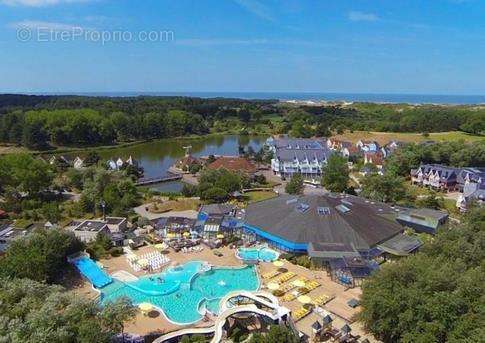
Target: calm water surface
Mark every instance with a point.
(158, 156)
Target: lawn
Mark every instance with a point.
(180, 204)
(256, 196)
(11, 149)
(385, 137)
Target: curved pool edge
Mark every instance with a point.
(199, 273)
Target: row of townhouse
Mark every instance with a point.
(469, 181)
(371, 151)
(298, 156)
(65, 161)
(363, 147)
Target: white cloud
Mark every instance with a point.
(37, 3)
(44, 25)
(257, 8)
(361, 16)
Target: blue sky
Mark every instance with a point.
(373, 46)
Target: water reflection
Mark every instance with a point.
(157, 156)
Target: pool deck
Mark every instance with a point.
(143, 325)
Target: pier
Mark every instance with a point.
(159, 179)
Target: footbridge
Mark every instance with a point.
(230, 308)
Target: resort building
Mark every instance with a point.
(423, 219)
(173, 227)
(470, 181)
(233, 164)
(298, 156)
(367, 146)
(88, 230)
(78, 163)
(375, 159)
(346, 148)
(436, 176)
(119, 163)
(391, 147)
(218, 209)
(116, 224)
(9, 233)
(472, 192)
(339, 233)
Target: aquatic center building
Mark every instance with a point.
(326, 226)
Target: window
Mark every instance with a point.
(342, 208)
(302, 208)
(323, 211)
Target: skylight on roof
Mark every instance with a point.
(302, 208)
(323, 211)
(346, 202)
(342, 208)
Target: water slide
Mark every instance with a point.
(228, 310)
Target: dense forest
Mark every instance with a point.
(40, 122)
(436, 295)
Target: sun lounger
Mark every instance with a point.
(300, 314)
(289, 297)
(270, 275)
(285, 277)
(287, 287)
(321, 300)
(311, 285)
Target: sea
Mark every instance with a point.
(306, 96)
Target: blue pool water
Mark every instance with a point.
(183, 292)
(258, 253)
(92, 271)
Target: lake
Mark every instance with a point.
(156, 157)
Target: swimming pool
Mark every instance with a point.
(92, 271)
(257, 253)
(184, 292)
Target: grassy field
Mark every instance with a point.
(385, 137)
(11, 149)
(259, 196)
(181, 204)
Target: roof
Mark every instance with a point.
(91, 225)
(233, 164)
(374, 158)
(426, 212)
(299, 143)
(331, 250)
(350, 221)
(211, 209)
(284, 154)
(115, 220)
(401, 245)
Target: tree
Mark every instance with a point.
(25, 173)
(295, 185)
(215, 194)
(92, 158)
(385, 188)
(40, 256)
(116, 314)
(431, 201)
(37, 312)
(276, 334)
(435, 295)
(244, 115)
(34, 136)
(335, 174)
